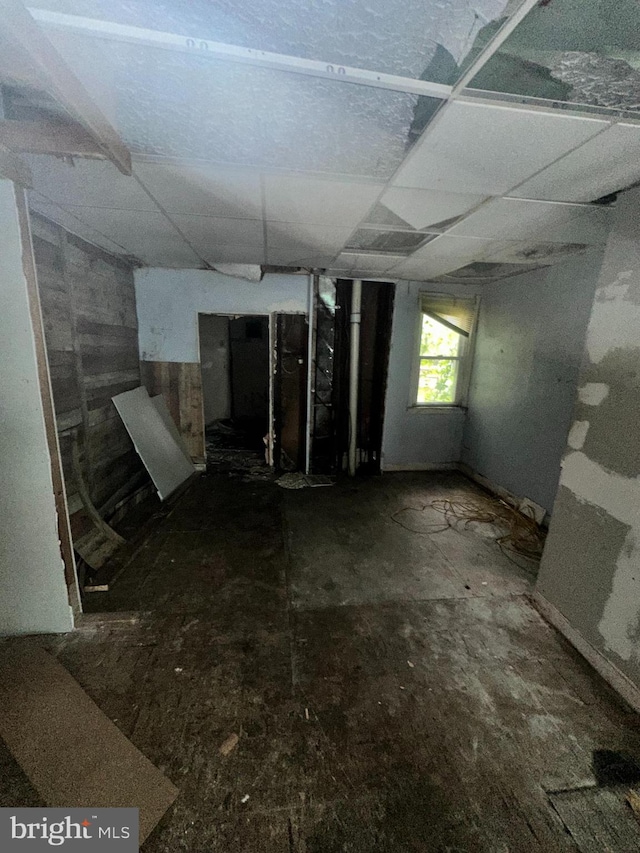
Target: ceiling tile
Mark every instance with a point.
(94, 183)
(367, 263)
(313, 239)
(234, 254)
(533, 251)
(147, 235)
(76, 226)
(517, 219)
(443, 255)
(211, 231)
(487, 150)
(205, 190)
(297, 198)
(608, 163)
(298, 258)
(424, 208)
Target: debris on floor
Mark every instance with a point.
(633, 798)
(228, 744)
(515, 530)
(297, 480)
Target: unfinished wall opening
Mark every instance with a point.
(235, 366)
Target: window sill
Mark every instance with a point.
(438, 409)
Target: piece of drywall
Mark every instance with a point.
(590, 569)
(214, 365)
(529, 343)
(416, 438)
(33, 592)
(181, 386)
(169, 301)
(162, 456)
(89, 316)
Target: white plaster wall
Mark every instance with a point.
(168, 303)
(529, 345)
(33, 593)
(416, 438)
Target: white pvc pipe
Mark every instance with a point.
(354, 370)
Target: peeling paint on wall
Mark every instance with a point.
(593, 393)
(577, 434)
(617, 311)
(620, 623)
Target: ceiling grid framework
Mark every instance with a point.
(479, 180)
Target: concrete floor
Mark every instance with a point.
(392, 690)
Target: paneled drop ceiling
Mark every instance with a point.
(474, 152)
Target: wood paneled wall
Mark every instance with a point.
(181, 384)
(89, 313)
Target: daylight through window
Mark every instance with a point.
(446, 324)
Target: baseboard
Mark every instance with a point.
(420, 466)
(541, 515)
(611, 674)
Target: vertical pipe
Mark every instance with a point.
(354, 372)
(311, 368)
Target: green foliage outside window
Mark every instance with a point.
(439, 360)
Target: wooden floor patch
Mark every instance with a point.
(71, 752)
(598, 819)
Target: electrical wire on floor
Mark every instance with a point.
(519, 534)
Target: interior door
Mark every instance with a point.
(290, 391)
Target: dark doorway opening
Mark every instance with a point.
(235, 365)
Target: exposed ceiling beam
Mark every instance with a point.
(233, 53)
(495, 44)
(19, 27)
(49, 137)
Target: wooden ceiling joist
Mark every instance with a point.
(19, 28)
(49, 137)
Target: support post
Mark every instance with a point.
(354, 372)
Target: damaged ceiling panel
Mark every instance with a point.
(480, 272)
(185, 106)
(376, 240)
(581, 52)
(429, 40)
(422, 209)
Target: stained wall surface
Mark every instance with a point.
(33, 592)
(529, 346)
(591, 566)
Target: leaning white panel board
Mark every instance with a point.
(162, 456)
(163, 410)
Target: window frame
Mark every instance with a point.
(464, 357)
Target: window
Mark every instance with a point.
(446, 323)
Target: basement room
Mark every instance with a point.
(320, 426)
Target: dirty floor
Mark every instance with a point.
(391, 686)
